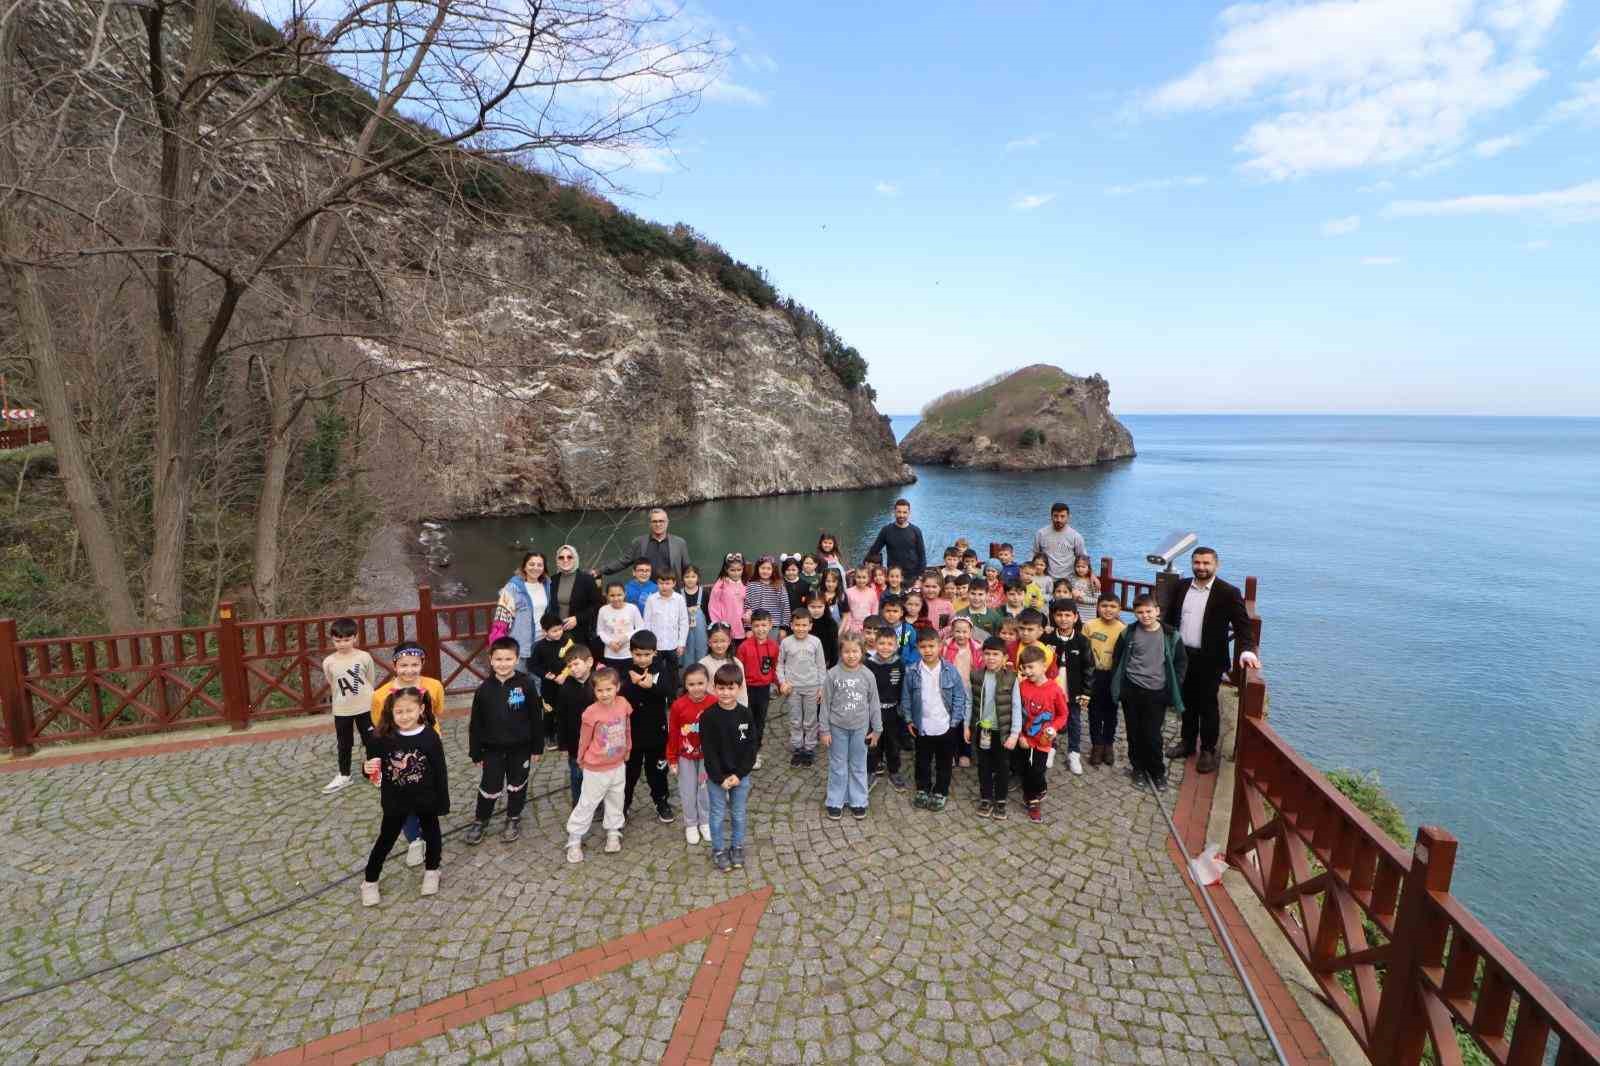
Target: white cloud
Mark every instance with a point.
(1377, 186)
(1028, 203)
(1154, 184)
(1496, 145)
(1579, 203)
(1032, 140)
(645, 158)
(728, 91)
(1582, 106)
(886, 188)
(1380, 260)
(1537, 246)
(1338, 227)
(1594, 54)
(1353, 83)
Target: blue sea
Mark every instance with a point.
(1415, 588)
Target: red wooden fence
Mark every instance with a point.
(22, 436)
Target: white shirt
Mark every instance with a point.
(1194, 613)
(667, 619)
(935, 715)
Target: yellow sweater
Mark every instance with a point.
(429, 685)
(1103, 637)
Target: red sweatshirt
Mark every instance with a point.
(683, 727)
(1037, 702)
(760, 661)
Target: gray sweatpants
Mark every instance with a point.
(692, 791)
(805, 712)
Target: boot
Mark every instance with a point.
(475, 833)
(1108, 755)
(512, 830)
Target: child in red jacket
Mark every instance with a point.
(1043, 708)
(758, 654)
(685, 759)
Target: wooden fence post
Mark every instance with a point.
(235, 683)
(18, 708)
(1252, 712)
(1105, 575)
(428, 633)
(1419, 936)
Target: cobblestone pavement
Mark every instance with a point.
(909, 937)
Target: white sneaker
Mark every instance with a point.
(613, 842)
(1074, 763)
(757, 765)
(339, 781)
(430, 882)
(691, 834)
(574, 853)
(369, 894)
(416, 852)
(705, 833)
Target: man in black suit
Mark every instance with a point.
(1207, 612)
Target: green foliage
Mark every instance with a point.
(1015, 391)
(1031, 438)
(322, 452)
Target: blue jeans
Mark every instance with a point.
(847, 768)
(574, 777)
(728, 801)
(412, 829)
(1074, 725)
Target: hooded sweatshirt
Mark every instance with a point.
(505, 714)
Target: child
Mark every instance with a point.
(1041, 709)
(852, 718)
(1033, 595)
(1074, 668)
(952, 563)
(548, 661)
(570, 694)
(666, 614)
(766, 593)
(880, 579)
(407, 759)
(695, 601)
(1147, 678)
(801, 670)
(971, 565)
(1016, 598)
(831, 591)
(889, 671)
(997, 587)
(1041, 576)
(823, 626)
(641, 586)
(1085, 587)
(962, 652)
(615, 624)
(726, 604)
(1103, 632)
(408, 658)
(1061, 589)
(936, 608)
(934, 704)
(810, 575)
(895, 581)
(994, 699)
(828, 552)
(728, 739)
(605, 740)
(985, 619)
(1030, 633)
(685, 760)
(862, 599)
(505, 736)
(720, 653)
(793, 587)
(905, 634)
(1009, 570)
(648, 687)
(350, 675)
(915, 607)
(958, 589)
(758, 654)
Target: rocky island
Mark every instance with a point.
(1039, 417)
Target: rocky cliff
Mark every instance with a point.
(1038, 417)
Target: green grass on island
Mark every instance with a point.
(1024, 389)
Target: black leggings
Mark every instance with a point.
(389, 832)
(504, 770)
(344, 727)
(760, 700)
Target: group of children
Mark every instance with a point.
(960, 668)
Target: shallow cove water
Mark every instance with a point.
(1414, 593)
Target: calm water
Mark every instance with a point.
(1414, 578)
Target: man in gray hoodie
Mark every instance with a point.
(852, 719)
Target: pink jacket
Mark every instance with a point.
(952, 655)
(863, 605)
(726, 604)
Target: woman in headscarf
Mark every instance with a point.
(522, 603)
(574, 596)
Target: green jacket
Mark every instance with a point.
(1004, 685)
(1176, 658)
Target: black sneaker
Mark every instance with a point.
(1137, 779)
(797, 758)
(859, 812)
(664, 814)
(898, 782)
(474, 833)
(879, 770)
(835, 813)
(1161, 783)
(736, 856)
(512, 831)
(720, 860)
(999, 810)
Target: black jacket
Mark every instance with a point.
(1077, 659)
(505, 714)
(414, 780)
(585, 603)
(889, 676)
(569, 701)
(904, 547)
(546, 659)
(826, 629)
(728, 739)
(650, 705)
(1225, 619)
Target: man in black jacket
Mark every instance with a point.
(503, 734)
(666, 552)
(902, 541)
(1207, 612)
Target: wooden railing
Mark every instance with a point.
(59, 689)
(22, 436)
(1402, 961)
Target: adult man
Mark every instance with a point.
(902, 542)
(1207, 611)
(666, 552)
(1059, 542)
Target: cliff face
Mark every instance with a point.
(1033, 418)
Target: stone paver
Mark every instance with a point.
(910, 937)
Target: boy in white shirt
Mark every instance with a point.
(350, 675)
(666, 614)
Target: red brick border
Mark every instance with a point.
(730, 927)
(1192, 815)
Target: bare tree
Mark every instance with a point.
(195, 105)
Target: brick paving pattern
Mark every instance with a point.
(910, 937)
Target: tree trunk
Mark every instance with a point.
(38, 344)
(269, 506)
